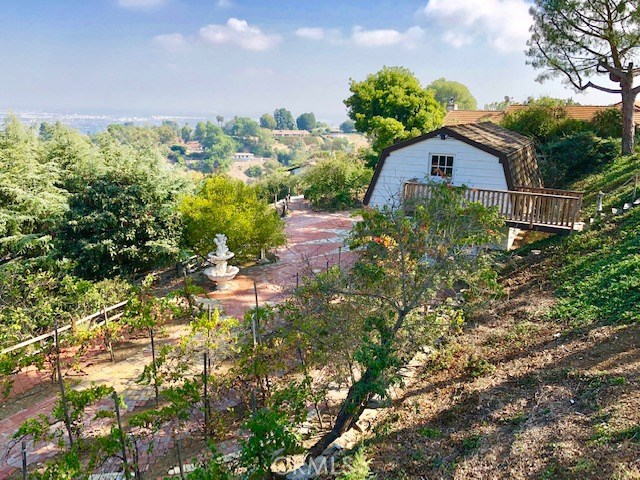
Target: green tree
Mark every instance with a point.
(218, 146)
(31, 200)
(306, 121)
(200, 131)
(186, 133)
(348, 126)
(544, 119)
(267, 121)
(580, 40)
(284, 119)
(337, 181)
(446, 90)
(228, 206)
(124, 221)
(608, 123)
(405, 264)
(391, 105)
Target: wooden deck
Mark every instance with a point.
(527, 208)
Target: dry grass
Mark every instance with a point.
(520, 396)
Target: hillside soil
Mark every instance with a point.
(519, 395)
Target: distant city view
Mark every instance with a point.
(95, 122)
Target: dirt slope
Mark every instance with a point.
(520, 395)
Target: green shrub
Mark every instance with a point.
(228, 206)
(571, 157)
(608, 123)
(253, 171)
(544, 120)
(337, 182)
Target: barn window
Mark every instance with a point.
(442, 166)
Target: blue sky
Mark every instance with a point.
(246, 57)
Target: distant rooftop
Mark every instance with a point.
(577, 112)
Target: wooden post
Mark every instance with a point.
(327, 266)
(107, 334)
(600, 199)
(63, 393)
(125, 462)
(255, 321)
(154, 366)
(297, 280)
(24, 460)
(339, 258)
(205, 399)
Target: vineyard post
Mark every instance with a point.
(24, 460)
(107, 334)
(206, 397)
(63, 393)
(154, 366)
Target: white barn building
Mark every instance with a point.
(499, 167)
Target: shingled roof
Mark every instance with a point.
(515, 152)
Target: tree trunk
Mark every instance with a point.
(352, 407)
(628, 123)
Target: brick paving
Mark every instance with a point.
(315, 240)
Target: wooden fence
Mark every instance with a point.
(107, 314)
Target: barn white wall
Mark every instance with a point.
(471, 167)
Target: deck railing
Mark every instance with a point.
(524, 209)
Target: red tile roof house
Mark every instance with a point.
(577, 112)
(499, 167)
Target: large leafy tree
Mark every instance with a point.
(284, 119)
(267, 121)
(337, 181)
(582, 40)
(124, 220)
(407, 265)
(447, 90)
(218, 145)
(31, 199)
(228, 206)
(306, 121)
(392, 105)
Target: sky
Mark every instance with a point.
(247, 57)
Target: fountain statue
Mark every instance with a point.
(220, 272)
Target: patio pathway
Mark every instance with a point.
(315, 240)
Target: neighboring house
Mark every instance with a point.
(243, 156)
(193, 147)
(499, 166)
(577, 112)
(290, 133)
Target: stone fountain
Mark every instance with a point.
(220, 272)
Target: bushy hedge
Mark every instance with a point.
(571, 157)
(336, 182)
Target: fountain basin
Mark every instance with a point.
(221, 278)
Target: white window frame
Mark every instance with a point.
(451, 167)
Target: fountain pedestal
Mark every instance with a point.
(220, 272)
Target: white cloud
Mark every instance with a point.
(503, 23)
(240, 33)
(312, 33)
(387, 37)
(225, 4)
(142, 4)
(331, 35)
(173, 42)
